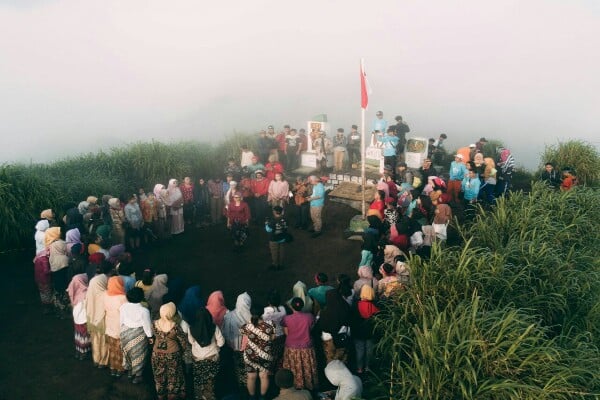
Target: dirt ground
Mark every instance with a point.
(36, 350)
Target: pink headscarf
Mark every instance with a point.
(158, 189)
(216, 307)
(77, 289)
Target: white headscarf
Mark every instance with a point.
(174, 194)
(235, 319)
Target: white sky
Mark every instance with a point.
(76, 76)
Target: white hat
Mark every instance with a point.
(459, 156)
(472, 145)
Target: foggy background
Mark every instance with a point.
(78, 76)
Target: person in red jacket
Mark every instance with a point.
(259, 187)
(273, 167)
(238, 218)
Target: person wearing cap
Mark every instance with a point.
(400, 129)
(379, 124)
(458, 171)
(472, 152)
(339, 150)
(353, 147)
(284, 379)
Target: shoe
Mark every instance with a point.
(112, 372)
(315, 235)
(100, 366)
(138, 379)
(117, 374)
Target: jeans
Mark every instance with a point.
(364, 352)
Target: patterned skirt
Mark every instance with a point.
(205, 372)
(303, 363)
(83, 344)
(239, 232)
(115, 354)
(135, 350)
(168, 372)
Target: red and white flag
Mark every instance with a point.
(365, 90)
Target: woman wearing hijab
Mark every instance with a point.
(362, 328)
(216, 307)
(206, 339)
(299, 353)
(348, 386)
(114, 298)
(300, 290)
(118, 218)
(40, 232)
(365, 277)
(136, 333)
(192, 301)
(232, 322)
(43, 279)
(95, 313)
(77, 290)
(333, 317)
(73, 238)
(170, 343)
(155, 293)
(174, 201)
(59, 261)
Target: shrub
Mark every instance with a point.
(583, 157)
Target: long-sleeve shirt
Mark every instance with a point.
(239, 213)
(379, 125)
(278, 190)
(112, 305)
(134, 215)
(134, 315)
(389, 145)
(471, 188)
(202, 353)
(458, 171)
(215, 189)
(260, 187)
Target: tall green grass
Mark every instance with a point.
(582, 156)
(25, 190)
(512, 314)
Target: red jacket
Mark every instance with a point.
(260, 188)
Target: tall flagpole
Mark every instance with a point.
(362, 158)
(364, 99)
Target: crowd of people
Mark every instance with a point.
(85, 263)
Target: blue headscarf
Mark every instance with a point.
(192, 301)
